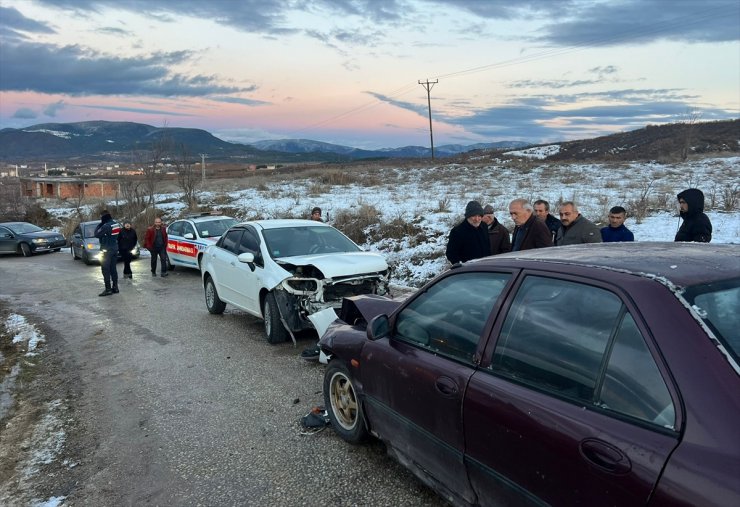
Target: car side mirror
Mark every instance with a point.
(188, 235)
(379, 327)
(246, 258)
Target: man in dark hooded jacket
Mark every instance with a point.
(696, 225)
(468, 239)
(107, 232)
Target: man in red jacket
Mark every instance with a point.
(155, 240)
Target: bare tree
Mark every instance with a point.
(152, 161)
(13, 205)
(134, 197)
(188, 179)
(691, 117)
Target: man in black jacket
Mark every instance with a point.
(696, 225)
(468, 240)
(107, 232)
(126, 243)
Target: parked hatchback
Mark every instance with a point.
(27, 239)
(84, 245)
(286, 270)
(188, 238)
(586, 375)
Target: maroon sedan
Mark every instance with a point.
(602, 374)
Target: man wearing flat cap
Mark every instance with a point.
(498, 235)
(468, 239)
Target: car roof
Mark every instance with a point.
(681, 264)
(16, 223)
(281, 223)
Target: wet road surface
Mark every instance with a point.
(170, 405)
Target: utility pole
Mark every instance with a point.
(203, 167)
(428, 85)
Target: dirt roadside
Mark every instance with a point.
(40, 441)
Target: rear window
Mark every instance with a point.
(718, 305)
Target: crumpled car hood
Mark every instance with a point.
(340, 264)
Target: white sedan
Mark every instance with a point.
(285, 270)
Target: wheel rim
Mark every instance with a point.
(210, 294)
(343, 401)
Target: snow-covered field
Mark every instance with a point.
(433, 199)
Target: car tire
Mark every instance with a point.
(57, 250)
(274, 329)
(213, 302)
(342, 404)
(74, 255)
(25, 250)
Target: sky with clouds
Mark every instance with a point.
(349, 71)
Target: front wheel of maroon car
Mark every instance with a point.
(343, 406)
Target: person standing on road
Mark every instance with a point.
(498, 235)
(126, 243)
(696, 225)
(155, 240)
(576, 228)
(107, 232)
(468, 240)
(529, 232)
(616, 230)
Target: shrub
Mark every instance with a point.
(355, 224)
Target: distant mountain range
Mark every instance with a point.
(104, 141)
(127, 141)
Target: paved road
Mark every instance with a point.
(169, 405)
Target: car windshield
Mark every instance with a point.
(306, 240)
(717, 304)
(23, 228)
(89, 230)
(214, 228)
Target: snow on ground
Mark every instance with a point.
(433, 198)
(538, 152)
(23, 332)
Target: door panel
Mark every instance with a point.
(572, 408)
(524, 445)
(414, 382)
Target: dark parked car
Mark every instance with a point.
(587, 375)
(28, 239)
(84, 245)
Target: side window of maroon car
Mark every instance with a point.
(580, 343)
(449, 317)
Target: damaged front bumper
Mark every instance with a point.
(299, 296)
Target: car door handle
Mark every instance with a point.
(446, 386)
(605, 456)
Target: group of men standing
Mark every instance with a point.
(481, 235)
